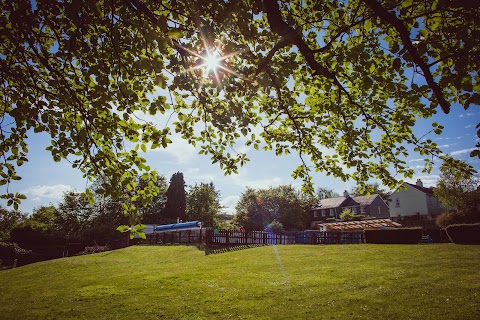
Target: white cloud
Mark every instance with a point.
(229, 204)
(180, 149)
(455, 153)
(48, 191)
(468, 127)
(427, 180)
(447, 145)
(198, 175)
(241, 179)
(468, 114)
(417, 160)
(418, 167)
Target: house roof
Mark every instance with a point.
(330, 203)
(423, 189)
(360, 200)
(345, 202)
(360, 225)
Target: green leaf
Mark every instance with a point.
(123, 228)
(175, 34)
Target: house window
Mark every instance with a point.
(364, 210)
(315, 214)
(332, 212)
(397, 203)
(323, 213)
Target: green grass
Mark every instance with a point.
(440, 281)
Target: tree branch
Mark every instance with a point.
(391, 19)
(288, 33)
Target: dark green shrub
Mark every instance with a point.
(330, 220)
(34, 234)
(11, 251)
(393, 236)
(464, 233)
(458, 217)
(101, 235)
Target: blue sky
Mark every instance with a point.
(44, 181)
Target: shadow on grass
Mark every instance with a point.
(212, 249)
(216, 249)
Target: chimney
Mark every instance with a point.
(345, 194)
(419, 183)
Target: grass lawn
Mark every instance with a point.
(437, 281)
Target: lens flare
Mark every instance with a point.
(211, 62)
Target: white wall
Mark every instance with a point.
(411, 200)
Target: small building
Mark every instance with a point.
(372, 206)
(414, 200)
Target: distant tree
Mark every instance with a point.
(75, 213)
(325, 193)
(256, 209)
(458, 191)
(244, 210)
(176, 204)
(203, 204)
(370, 188)
(347, 215)
(42, 228)
(153, 212)
(275, 226)
(48, 215)
(8, 220)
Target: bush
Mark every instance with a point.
(11, 251)
(100, 234)
(359, 217)
(393, 236)
(331, 220)
(346, 215)
(464, 233)
(34, 234)
(457, 217)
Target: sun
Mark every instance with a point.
(211, 61)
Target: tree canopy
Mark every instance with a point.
(458, 191)
(203, 204)
(258, 209)
(340, 83)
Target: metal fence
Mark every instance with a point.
(231, 237)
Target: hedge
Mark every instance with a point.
(393, 236)
(464, 233)
(10, 251)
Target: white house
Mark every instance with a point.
(414, 200)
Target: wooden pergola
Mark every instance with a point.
(359, 225)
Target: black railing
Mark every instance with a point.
(231, 237)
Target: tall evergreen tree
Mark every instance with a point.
(176, 204)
